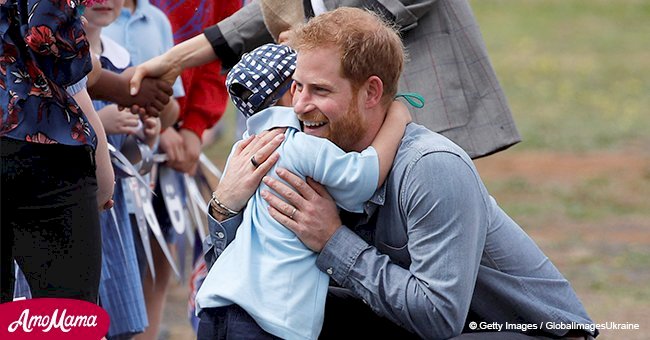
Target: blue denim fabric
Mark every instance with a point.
(229, 323)
(433, 246)
(438, 246)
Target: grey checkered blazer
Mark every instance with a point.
(448, 64)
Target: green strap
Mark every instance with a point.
(413, 98)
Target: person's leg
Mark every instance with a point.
(6, 232)
(241, 326)
(230, 323)
(155, 291)
(56, 221)
(8, 192)
(344, 312)
(211, 324)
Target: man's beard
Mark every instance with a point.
(344, 132)
(347, 132)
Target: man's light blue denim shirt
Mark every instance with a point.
(440, 247)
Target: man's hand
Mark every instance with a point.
(241, 178)
(310, 212)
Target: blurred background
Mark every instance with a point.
(577, 76)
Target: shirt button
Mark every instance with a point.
(220, 235)
(329, 271)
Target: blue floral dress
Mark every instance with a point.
(43, 50)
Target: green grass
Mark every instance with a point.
(577, 76)
(576, 72)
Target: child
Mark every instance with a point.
(267, 270)
(145, 32)
(120, 290)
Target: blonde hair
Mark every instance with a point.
(368, 46)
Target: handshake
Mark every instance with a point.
(149, 97)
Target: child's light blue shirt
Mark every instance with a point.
(145, 33)
(267, 270)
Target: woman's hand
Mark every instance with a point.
(160, 67)
(241, 177)
(309, 211)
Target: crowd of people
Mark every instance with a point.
(340, 208)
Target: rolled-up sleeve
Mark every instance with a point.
(239, 33)
(221, 234)
(406, 13)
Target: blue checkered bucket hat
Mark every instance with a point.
(258, 79)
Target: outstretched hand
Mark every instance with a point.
(158, 68)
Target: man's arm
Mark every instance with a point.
(404, 13)
(168, 66)
(445, 216)
(239, 33)
(227, 40)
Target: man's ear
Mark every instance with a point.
(374, 88)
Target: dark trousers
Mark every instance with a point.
(343, 313)
(49, 221)
(229, 323)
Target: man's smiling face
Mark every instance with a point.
(325, 102)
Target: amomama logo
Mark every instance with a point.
(51, 318)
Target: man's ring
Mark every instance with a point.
(254, 162)
(292, 213)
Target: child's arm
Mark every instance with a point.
(389, 137)
(169, 115)
(118, 121)
(104, 170)
(114, 87)
(151, 130)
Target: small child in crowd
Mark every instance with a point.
(145, 31)
(266, 270)
(120, 290)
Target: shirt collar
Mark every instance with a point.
(139, 11)
(272, 117)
